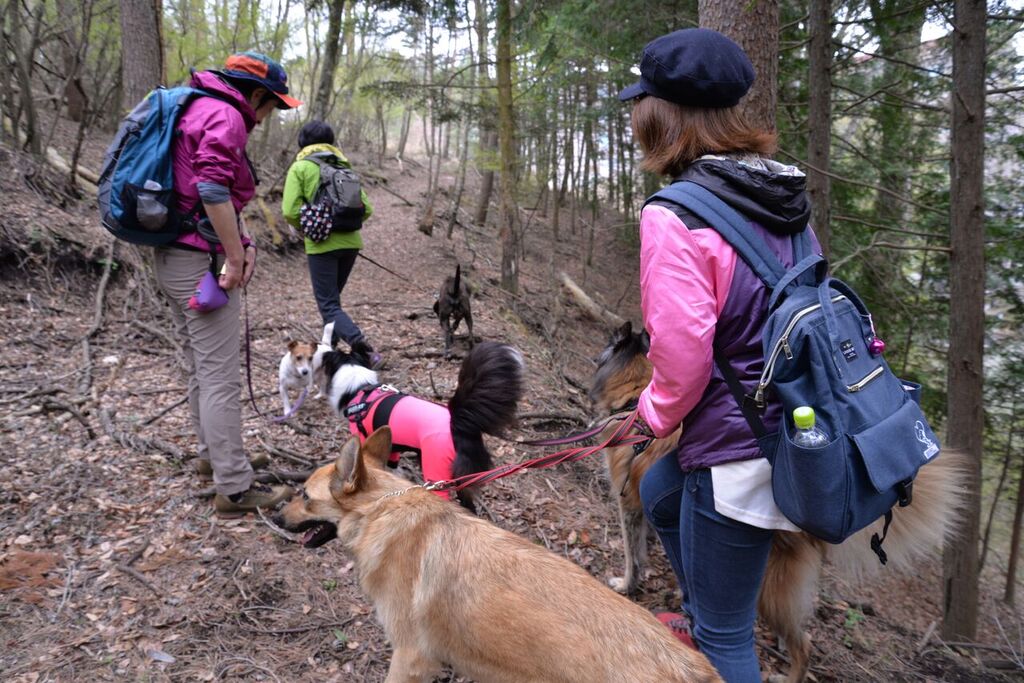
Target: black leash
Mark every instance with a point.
(361, 255)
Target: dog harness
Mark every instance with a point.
(416, 425)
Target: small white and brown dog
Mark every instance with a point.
(295, 372)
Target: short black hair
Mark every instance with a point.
(316, 132)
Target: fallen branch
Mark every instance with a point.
(85, 383)
(275, 477)
(134, 441)
(55, 403)
(286, 453)
(137, 575)
(150, 420)
(589, 306)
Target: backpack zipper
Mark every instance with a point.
(783, 346)
(861, 384)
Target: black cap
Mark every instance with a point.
(697, 67)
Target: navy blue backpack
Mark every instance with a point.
(818, 352)
(136, 196)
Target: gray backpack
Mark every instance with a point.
(340, 191)
(820, 351)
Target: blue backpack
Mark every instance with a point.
(818, 352)
(136, 185)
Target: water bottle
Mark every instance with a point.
(807, 435)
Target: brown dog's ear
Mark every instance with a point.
(377, 448)
(346, 469)
(292, 344)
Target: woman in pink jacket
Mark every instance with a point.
(710, 500)
(213, 181)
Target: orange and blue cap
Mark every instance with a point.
(255, 66)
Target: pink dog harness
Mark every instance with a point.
(416, 425)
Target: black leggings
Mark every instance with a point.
(329, 272)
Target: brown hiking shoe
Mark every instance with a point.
(257, 496)
(205, 470)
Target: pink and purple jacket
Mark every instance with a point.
(695, 292)
(210, 149)
(416, 425)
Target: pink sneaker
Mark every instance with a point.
(679, 624)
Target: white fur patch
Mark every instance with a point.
(348, 379)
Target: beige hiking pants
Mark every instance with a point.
(211, 345)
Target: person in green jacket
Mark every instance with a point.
(330, 261)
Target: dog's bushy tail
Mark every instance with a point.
(918, 530)
(490, 386)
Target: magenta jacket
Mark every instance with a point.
(211, 149)
(695, 291)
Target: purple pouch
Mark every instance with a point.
(209, 296)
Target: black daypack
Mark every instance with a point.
(339, 194)
(820, 350)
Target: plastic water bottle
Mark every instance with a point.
(807, 435)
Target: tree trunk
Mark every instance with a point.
(1003, 474)
(965, 423)
(509, 230)
(72, 48)
(142, 54)
(322, 101)
(755, 27)
(1009, 593)
(819, 118)
(488, 136)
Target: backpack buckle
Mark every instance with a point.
(905, 492)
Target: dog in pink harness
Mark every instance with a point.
(448, 438)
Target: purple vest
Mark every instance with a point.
(715, 431)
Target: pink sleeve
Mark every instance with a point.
(218, 155)
(684, 283)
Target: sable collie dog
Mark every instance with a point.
(791, 579)
(452, 306)
(448, 438)
(451, 588)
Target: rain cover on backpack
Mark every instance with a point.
(136, 196)
(817, 352)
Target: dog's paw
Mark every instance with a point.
(619, 585)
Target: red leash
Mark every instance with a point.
(617, 438)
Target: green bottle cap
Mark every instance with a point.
(803, 417)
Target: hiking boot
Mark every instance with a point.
(205, 470)
(257, 496)
(679, 625)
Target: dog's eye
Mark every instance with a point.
(305, 496)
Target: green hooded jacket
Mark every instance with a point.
(300, 187)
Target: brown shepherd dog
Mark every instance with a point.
(451, 588)
(794, 565)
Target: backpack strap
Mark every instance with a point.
(736, 389)
(730, 225)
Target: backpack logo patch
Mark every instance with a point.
(930, 448)
(849, 351)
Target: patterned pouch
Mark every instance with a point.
(316, 221)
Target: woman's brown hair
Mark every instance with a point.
(673, 136)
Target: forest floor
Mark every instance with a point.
(113, 567)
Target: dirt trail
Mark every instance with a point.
(121, 573)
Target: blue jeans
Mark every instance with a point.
(329, 272)
(718, 561)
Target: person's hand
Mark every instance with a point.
(231, 274)
(249, 264)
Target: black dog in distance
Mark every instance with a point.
(451, 307)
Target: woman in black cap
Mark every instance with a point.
(710, 500)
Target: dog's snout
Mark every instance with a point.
(304, 371)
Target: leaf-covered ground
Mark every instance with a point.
(113, 567)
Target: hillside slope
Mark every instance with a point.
(113, 568)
